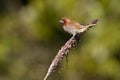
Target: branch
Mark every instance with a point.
(66, 48)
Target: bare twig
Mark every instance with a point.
(66, 48)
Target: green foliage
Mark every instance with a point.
(30, 37)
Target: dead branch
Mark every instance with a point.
(66, 48)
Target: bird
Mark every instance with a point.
(74, 27)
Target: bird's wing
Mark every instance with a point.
(77, 25)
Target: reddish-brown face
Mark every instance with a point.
(64, 21)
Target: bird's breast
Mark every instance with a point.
(69, 29)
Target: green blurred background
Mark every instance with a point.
(30, 37)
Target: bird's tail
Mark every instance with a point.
(93, 23)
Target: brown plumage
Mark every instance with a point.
(73, 27)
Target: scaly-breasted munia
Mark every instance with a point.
(73, 27)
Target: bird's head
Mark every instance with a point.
(64, 21)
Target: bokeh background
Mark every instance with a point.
(30, 37)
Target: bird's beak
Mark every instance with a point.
(61, 21)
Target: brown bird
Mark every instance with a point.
(73, 27)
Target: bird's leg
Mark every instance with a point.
(74, 34)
